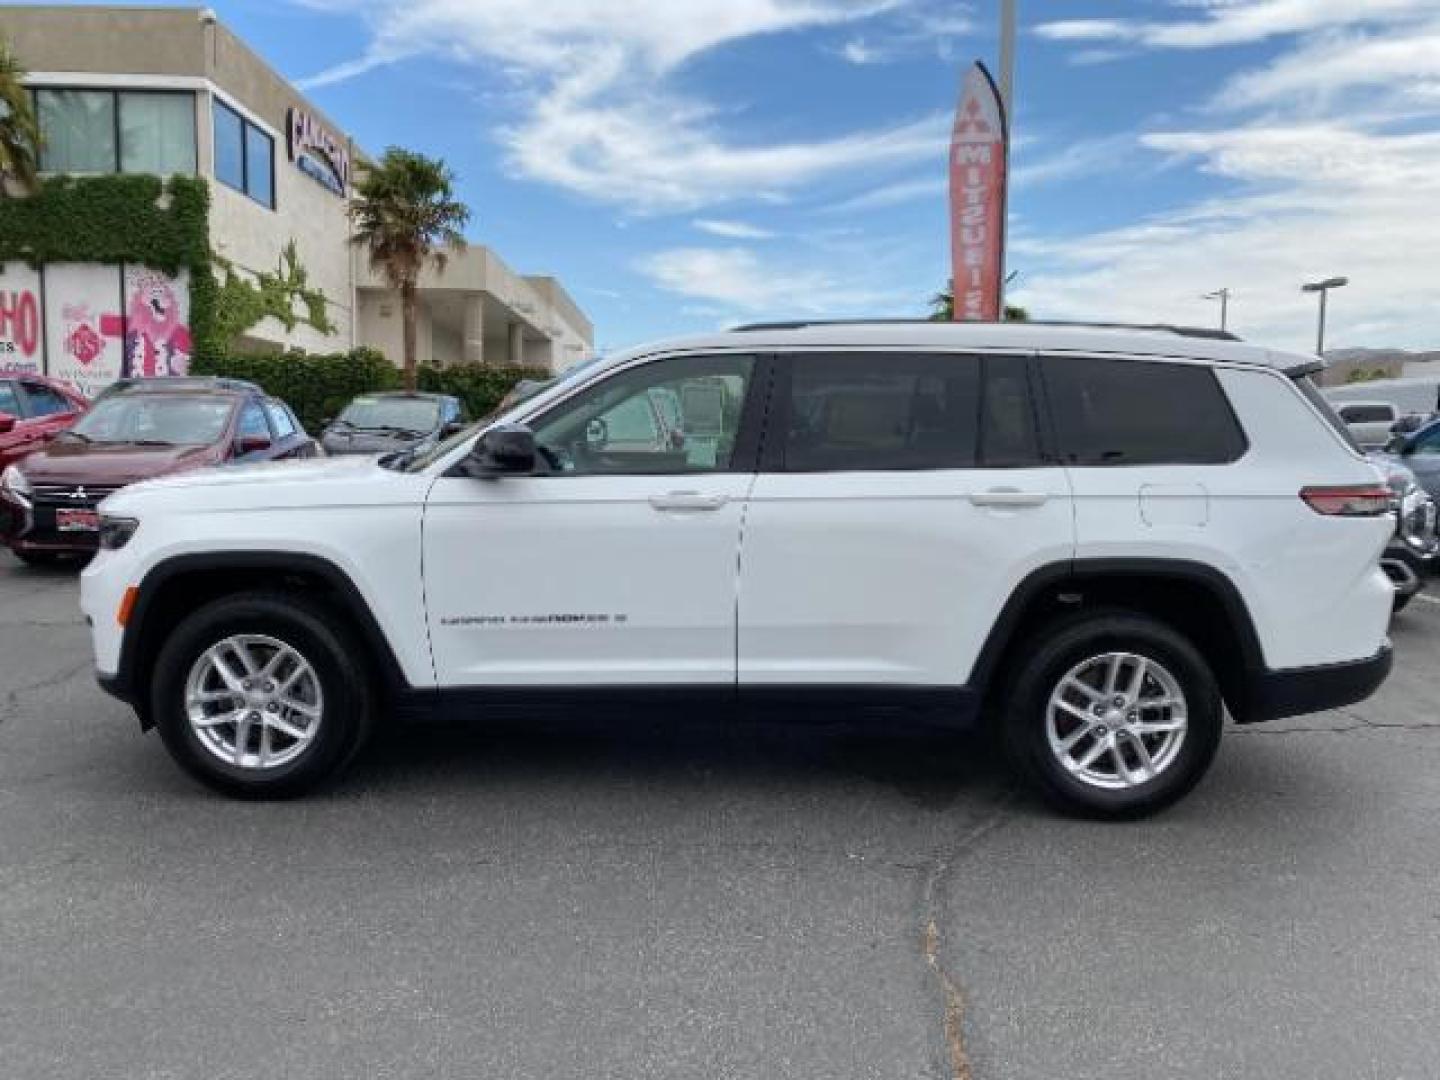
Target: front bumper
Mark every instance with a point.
(32, 528)
(1275, 695)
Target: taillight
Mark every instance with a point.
(1358, 500)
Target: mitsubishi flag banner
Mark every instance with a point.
(977, 199)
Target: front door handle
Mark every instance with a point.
(688, 500)
(1009, 498)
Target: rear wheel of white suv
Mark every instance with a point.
(262, 695)
(1112, 715)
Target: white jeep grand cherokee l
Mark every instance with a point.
(1096, 540)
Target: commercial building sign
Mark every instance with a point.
(84, 325)
(978, 177)
(22, 337)
(317, 152)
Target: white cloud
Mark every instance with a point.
(915, 30)
(856, 51)
(1234, 22)
(737, 280)
(1089, 30)
(732, 230)
(1314, 201)
(1405, 63)
(599, 118)
(1084, 157)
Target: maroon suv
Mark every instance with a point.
(146, 429)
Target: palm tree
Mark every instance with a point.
(942, 307)
(406, 217)
(19, 132)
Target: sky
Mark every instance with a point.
(682, 165)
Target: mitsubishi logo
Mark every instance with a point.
(78, 493)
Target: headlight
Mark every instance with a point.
(15, 482)
(1418, 521)
(115, 532)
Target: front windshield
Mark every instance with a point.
(391, 414)
(156, 419)
(420, 462)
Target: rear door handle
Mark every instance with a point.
(1009, 498)
(688, 500)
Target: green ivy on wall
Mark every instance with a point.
(163, 224)
(240, 303)
(110, 219)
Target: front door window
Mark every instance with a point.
(674, 416)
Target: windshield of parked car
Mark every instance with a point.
(416, 415)
(156, 419)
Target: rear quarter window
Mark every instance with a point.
(1367, 414)
(1140, 412)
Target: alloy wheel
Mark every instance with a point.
(254, 702)
(1117, 720)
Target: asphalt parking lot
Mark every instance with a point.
(726, 900)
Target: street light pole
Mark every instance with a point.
(1323, 288)
(1223, 295)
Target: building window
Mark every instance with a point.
(105, 131)
(78, 128)
(157, 133)
(244, 156)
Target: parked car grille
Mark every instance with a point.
(73, 496)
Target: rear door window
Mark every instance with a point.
(252, 423)
(907, 411)
(881, 411)
(280, 420)
(1139, 412)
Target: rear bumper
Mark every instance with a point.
(1275, 695)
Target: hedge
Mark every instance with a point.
(317, 386)
(479, 386)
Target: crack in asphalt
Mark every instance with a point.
(952, 992)
(12, 697)
(1355, 722)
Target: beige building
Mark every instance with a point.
(171, 90)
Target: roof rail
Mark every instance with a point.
(1162, 328)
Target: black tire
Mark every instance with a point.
(1064, 646)
(318, 635)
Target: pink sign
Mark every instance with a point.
(157, 322)
(977, 199)
(83, 324)
(22, 340)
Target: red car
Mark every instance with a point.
(32, 409)
(143, 430)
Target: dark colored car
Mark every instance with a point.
(48, 501)
(388, 422)
(33, 409)
(1419, 451)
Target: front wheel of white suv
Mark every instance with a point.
(262, 695)
(1112, 715)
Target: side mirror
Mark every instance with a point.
(251, 444)
(7, 423)
(508, 450)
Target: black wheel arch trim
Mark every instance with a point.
(135, 646)
(1056, 576)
